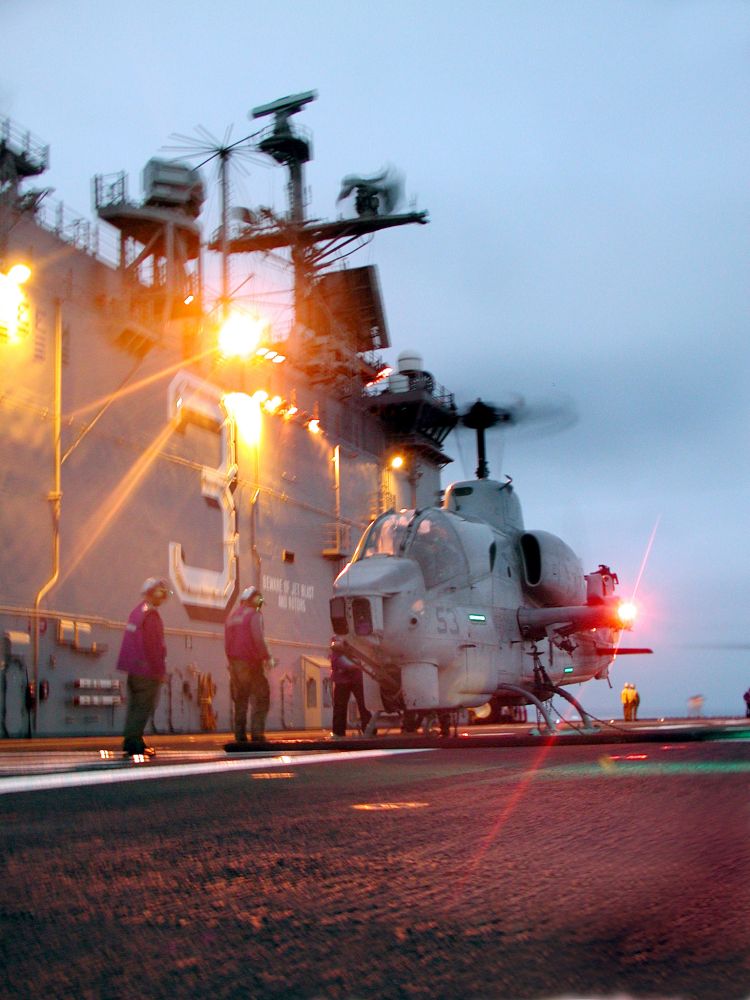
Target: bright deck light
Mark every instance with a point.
(273, 404)
(14, 306)
(19, 274)
(245, 410)
(240, 335)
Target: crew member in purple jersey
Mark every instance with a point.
(143, 657)
(249, 659)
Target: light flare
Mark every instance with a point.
(108, 509)
(19, 274)
(646, 555)
(512, 802)
(627, 612)
(136, 386)
(246, 412)
(272, 405)
(14, 307)
(240, 335)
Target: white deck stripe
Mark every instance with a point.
(150, 771)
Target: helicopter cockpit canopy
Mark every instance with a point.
(428, 537)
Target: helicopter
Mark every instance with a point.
(457, 606)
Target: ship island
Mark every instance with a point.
(149, 429)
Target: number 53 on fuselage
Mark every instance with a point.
(460, 604)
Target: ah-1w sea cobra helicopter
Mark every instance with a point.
(453, 607)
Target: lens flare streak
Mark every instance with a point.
(646, 555)
(136, 386)
(513, 801)
(108, 509)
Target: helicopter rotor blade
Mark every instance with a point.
(539, 418)
(738, 647)
(545, 415)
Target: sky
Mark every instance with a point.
(585, 167)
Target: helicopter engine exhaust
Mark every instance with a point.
(552, 572)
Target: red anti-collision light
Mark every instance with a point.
(627, 612)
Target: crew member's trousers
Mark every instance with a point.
(143, 697)
(249, 685)
(342, 691)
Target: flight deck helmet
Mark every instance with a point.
(156, 586)
(250, 594)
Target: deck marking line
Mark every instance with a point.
(146, 772)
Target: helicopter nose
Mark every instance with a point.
(372, 593)
(380, 576)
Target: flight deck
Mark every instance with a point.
(70, 756)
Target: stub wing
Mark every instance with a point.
(622, 650)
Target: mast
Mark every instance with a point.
(339, 320)
(291, 146)
(224, 182)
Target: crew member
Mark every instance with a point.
(346, 677)
(143, 658)
(695, 705)
(627, 703)
(249, 659)
(635, 700)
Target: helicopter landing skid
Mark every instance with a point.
(588, 725)
(440, 724)
(538, 704)
(383, 721)
(429, 723)
(547, 688)
(543, 708)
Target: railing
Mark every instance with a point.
(98, 241)
(416, 381)
(286, 131)
(110, 189)
(49, 213)
(22, 143)
(337, 538)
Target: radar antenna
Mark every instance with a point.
(206, 145)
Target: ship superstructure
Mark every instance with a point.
(132, 445)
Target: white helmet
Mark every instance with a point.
(249, 593)
(155, 583)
